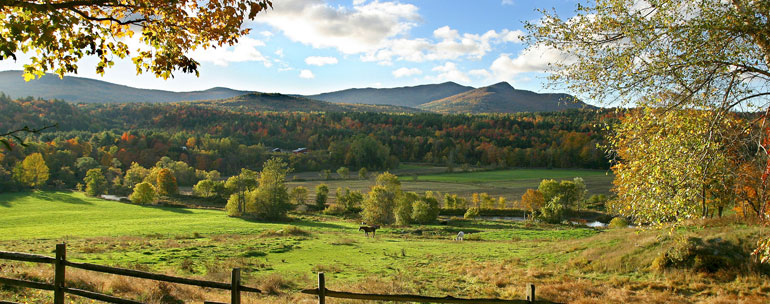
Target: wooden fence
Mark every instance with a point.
(323, 293)
(59, 288)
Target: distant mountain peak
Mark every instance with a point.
(402, 96)
(501, 98)
(501, 87)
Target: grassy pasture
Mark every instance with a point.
(510, 184)
(567, 263)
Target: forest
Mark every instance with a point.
(216, 139)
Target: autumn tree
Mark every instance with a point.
(668, 163)
(378, 206)
(533, 200)
(714, 54)
(33, 171)
(404, 208)
(238, 186)
(96, 184)
(271, 199)
(135, 175)
(167, 182)
(711, 55)
(60, 33)
(144, 193)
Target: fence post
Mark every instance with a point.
(530, 292)
(321, 288)
(235, 292)
(58, 279)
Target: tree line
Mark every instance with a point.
(116, 136)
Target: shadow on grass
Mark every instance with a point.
(295, 222)
(5, 204)
(60, 197)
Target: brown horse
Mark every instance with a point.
(367, 229)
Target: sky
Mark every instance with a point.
(315, 46)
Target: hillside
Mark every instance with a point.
(275, 102)
(78, 89)
(502, 98)
(402, 96)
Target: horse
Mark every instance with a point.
(460, 236)
(367, 229)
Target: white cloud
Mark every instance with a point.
(450, 72)
(244, 51)
(507, 2)
(320, 61)
(279, 53)
(306, 74)
(449, 44)
(363, 28)
(480, 73)
(537, 58)
(406, 72)
(378, 31)
(267, 34)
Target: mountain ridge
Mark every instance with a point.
(501, 97)
(409, 96)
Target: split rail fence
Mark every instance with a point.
(60, 289)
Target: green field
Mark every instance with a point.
(511, 175)
(510, 184)
(495, 259)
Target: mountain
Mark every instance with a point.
(78, 89)
(275, 102)
(502, 98)
(403, 96)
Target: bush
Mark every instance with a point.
(335, 209)
(471, 213)
(404, 208)
(706, 256)
(618, 222)
(553, 211)
(425, 210)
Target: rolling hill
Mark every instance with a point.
(402, 96)
(502, 98)
(275, 102)
(78, 89)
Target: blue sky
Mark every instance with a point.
(313, 46)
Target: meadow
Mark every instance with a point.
(496, 259)
(510, 183)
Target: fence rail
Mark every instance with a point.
(60, 265)
(59, 288)
(322, 292)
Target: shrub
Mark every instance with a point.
(618, 222)
(335, 209)
(471, 213)
(404, 208)
(425, 210)
(321, 194)
(553, 211)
